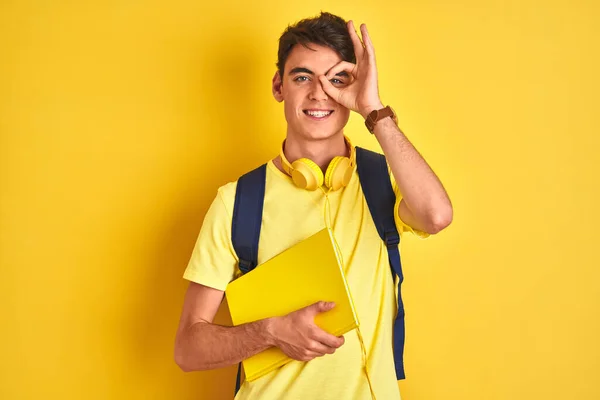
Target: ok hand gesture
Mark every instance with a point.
(361, 94)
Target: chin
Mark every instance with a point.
(320, 134)
(313, 133)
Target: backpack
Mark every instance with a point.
(379, 194)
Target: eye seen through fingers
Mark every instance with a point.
(334, 81)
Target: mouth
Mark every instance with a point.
(318, 115)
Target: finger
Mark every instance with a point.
(331, 91)
(359, 48)
(320, 306)
(321, 349)
(368, 43)
(343, 66)
(307, 355)
(327, 339)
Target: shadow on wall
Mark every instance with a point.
(228, 119)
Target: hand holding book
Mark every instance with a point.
(297, 335)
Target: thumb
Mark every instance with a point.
(331, 90)
(321, 306)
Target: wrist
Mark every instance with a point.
(367, 110)
(387, 127)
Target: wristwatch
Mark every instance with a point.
(377, 115)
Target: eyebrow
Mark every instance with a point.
(300, 70)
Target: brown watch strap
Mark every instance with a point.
(377, 115)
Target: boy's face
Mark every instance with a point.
(310, 113)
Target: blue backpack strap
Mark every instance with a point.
(246, 224)
(247, 217)
(237, 380)
(379, 194)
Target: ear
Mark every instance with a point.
(277, 87)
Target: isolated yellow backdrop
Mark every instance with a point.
(120, 119)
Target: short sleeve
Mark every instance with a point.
(401, 225)
(213, 261)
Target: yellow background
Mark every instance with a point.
(119, 120)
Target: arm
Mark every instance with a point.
(202, 345)
(425, 204)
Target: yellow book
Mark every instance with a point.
(302, 275)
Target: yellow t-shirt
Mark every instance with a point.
(291, 215)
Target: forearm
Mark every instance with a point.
(204, 346)
(421, 189)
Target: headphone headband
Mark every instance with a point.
(306, 174)
(287, 167)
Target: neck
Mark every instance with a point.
(321, 151)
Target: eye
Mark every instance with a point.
(301, 78)
(336, 81)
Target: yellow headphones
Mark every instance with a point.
(306, 174)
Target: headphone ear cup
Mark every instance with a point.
(337, 175)
(306, 174)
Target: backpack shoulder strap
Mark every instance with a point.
(247, 217)
(379, 194)
(246, 224)
(377, 188)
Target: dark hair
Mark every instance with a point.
(325, 30)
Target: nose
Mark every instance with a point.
(316, 92)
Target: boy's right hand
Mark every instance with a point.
(297, 335)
